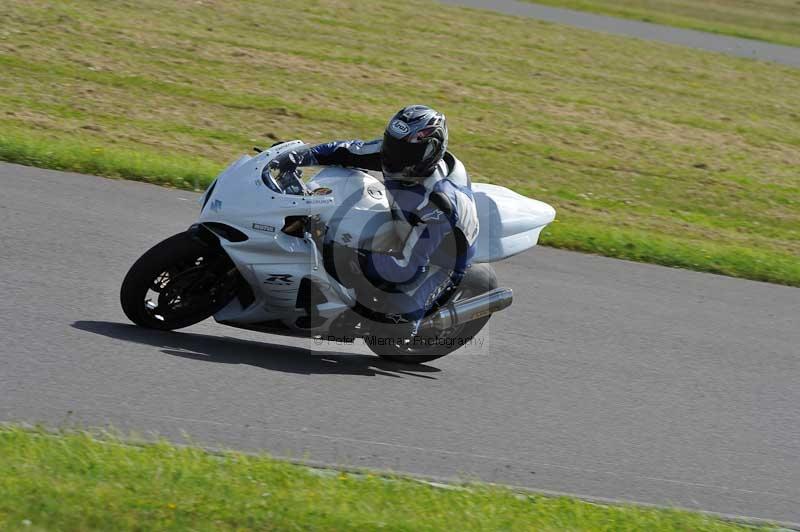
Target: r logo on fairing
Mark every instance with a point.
(279, 279)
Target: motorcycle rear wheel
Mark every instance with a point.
(177, 283)
(480, 278)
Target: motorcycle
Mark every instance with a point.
(255, 259)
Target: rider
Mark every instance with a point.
(431, 198)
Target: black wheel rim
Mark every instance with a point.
(188, 288)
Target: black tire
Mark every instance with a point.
(190, 279)
(480, 278)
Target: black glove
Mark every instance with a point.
(283, 171)
(284, 163)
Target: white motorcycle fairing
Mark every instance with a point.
(354, 206)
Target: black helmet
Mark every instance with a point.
(414, 142)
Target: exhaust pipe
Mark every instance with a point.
(469, 309)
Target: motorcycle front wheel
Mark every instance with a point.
(480, 278)
(177, 283)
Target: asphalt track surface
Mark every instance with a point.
(752, 49)
(605, 378)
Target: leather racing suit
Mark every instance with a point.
(438, 217)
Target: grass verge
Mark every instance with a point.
(88, 157)
(775, 21)
(665, 155)
(71, 481)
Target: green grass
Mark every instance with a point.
(776, 21)
(71, 481)
(648, 151)
(89, 157)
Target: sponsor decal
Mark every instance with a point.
(261, 227)
(346, 238)
(433, 215)
(399, 127)
(280, 279)
(321, 191)
(319, 201)
(396, 318)
(375, 193)
(216, 205)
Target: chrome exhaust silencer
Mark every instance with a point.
(469, 309)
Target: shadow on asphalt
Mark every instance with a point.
(227, 350)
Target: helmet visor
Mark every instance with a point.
(400, 156)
